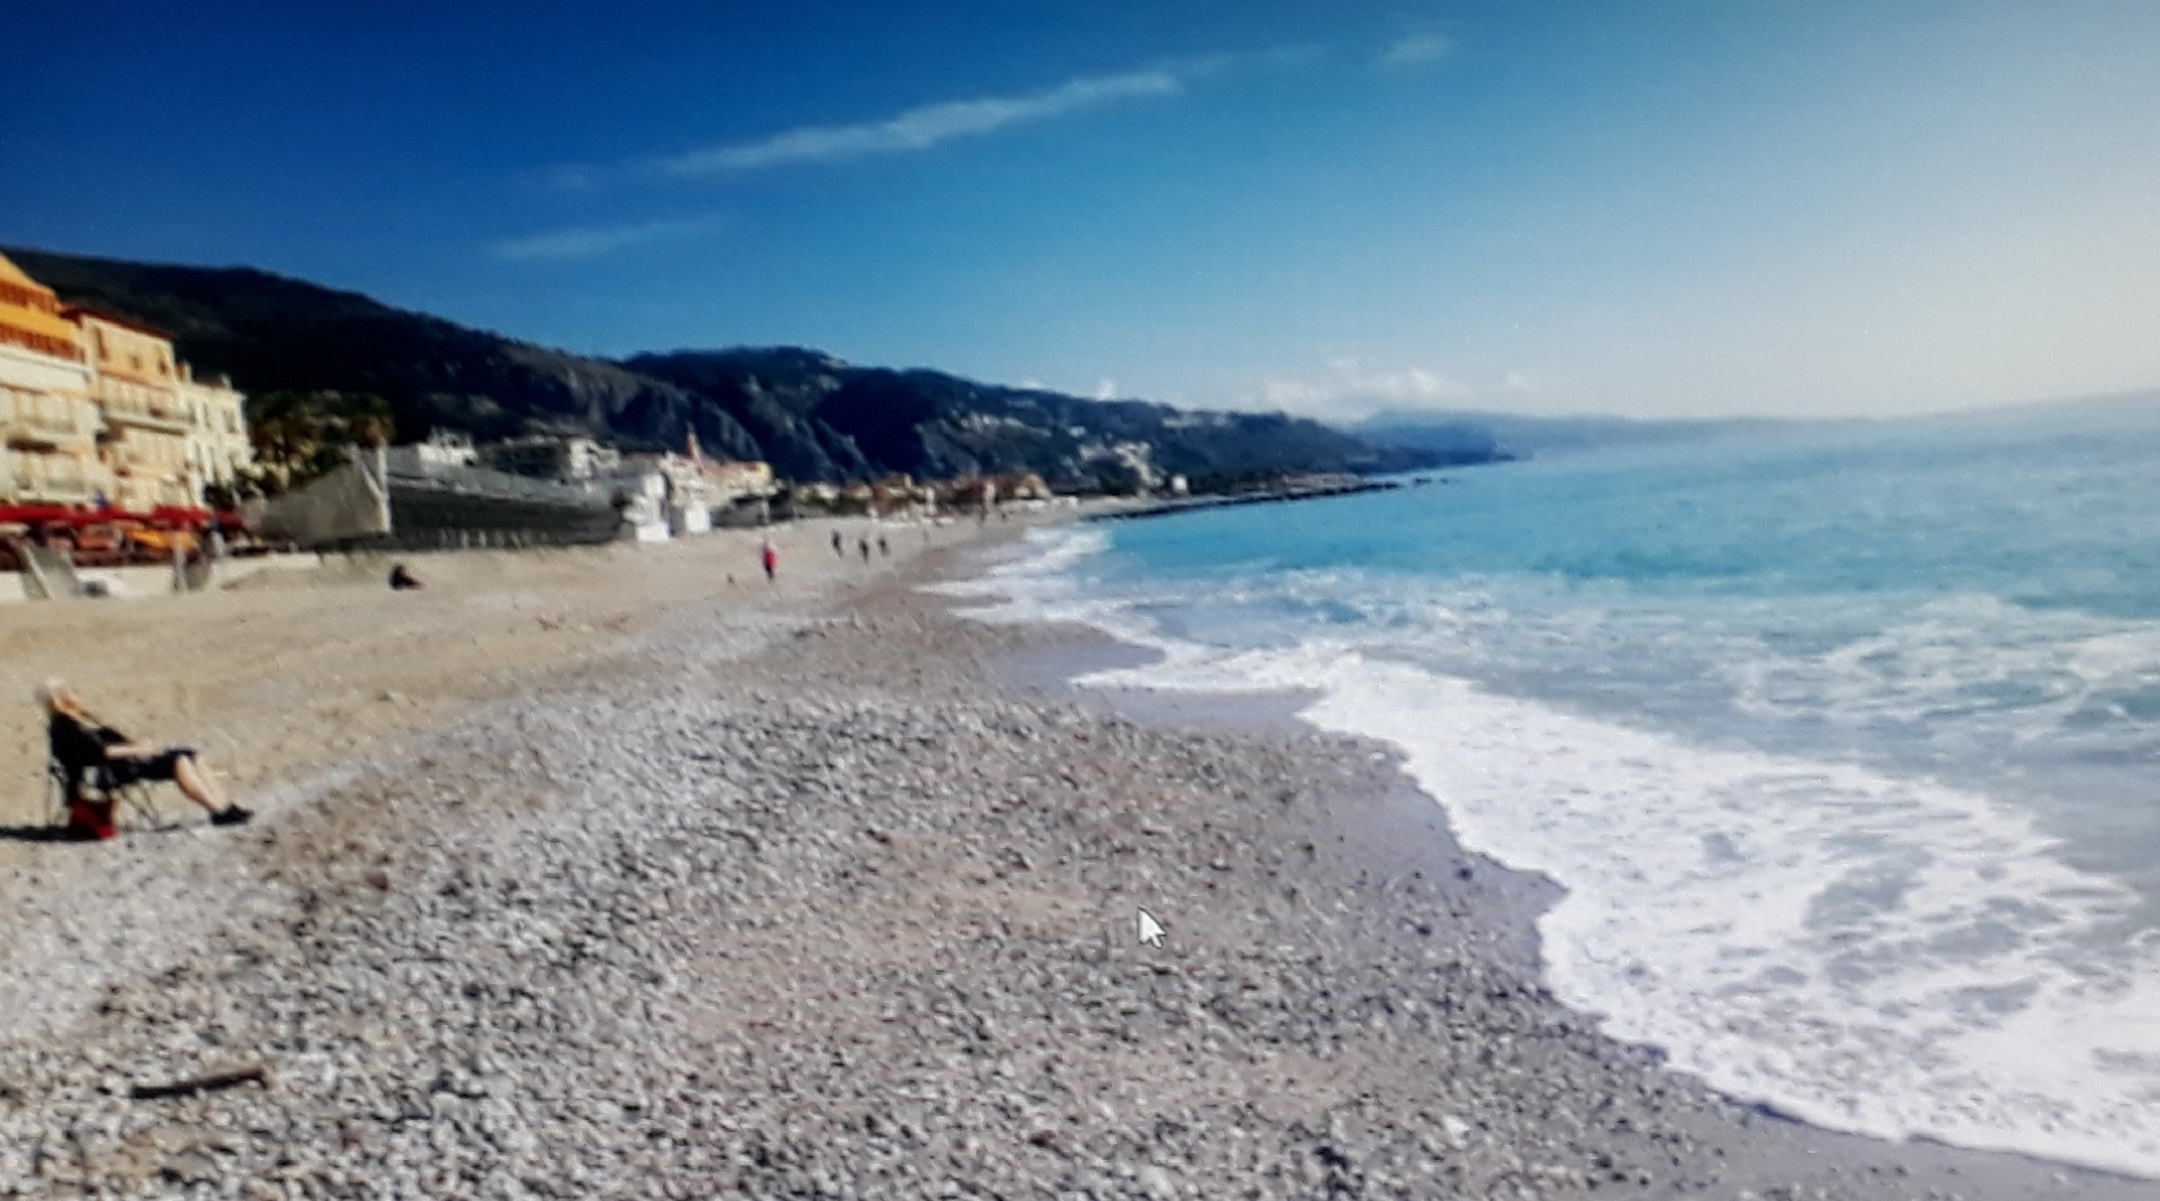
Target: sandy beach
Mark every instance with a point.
(288, 671)
(589, 873)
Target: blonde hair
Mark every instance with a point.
(49, 692)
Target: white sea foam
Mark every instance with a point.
(2030, 673)
(1032, 582)
(1883, 955)
(1891, 957)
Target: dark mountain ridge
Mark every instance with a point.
(812, 416)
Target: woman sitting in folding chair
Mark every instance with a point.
(94, 756)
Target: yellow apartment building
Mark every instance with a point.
(95, 406)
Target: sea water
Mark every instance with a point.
(1844, 742)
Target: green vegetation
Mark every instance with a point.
(304, 350)
(301, 435)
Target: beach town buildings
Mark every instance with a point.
(981, 492)
(732, 481)
(542, 489)
(676, 495)
(96, 409)
(662, 496)
(443, 448)
(570, 459)
(659, 496)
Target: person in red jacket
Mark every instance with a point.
(91, 752)
(771, 558)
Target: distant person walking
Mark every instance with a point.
(863, 544)
(838, 549)
(883, 551)
(770, 557)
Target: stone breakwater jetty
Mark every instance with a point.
(814, 907)
(1296, 488)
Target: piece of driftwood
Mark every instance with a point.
(201, 1084)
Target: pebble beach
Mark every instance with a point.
(596, 874)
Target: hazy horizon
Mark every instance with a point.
(1685, 210)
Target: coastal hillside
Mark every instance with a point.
(273, 334)
(934, 425)
(812, 416)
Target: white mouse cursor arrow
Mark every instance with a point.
(1151, 931)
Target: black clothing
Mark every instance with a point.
(82, 751)
(162, 767)
(79, 748)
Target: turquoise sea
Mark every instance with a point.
(1844, 741)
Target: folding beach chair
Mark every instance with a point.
(135, 800)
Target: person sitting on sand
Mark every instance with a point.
(82, 745)
(402, 580)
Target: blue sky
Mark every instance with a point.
(1701, 207)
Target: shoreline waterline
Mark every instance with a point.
(805, 898)
(1399, 707)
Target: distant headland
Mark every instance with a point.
(813, 417)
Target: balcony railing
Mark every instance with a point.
(47, 478)
(37, 428)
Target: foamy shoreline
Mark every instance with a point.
(1123, 669)
(809, 900)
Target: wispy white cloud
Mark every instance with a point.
(591, 242)
(1347, 389)
(1417, 50)
(925, 126)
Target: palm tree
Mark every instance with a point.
(285, 431)
(369, 422)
